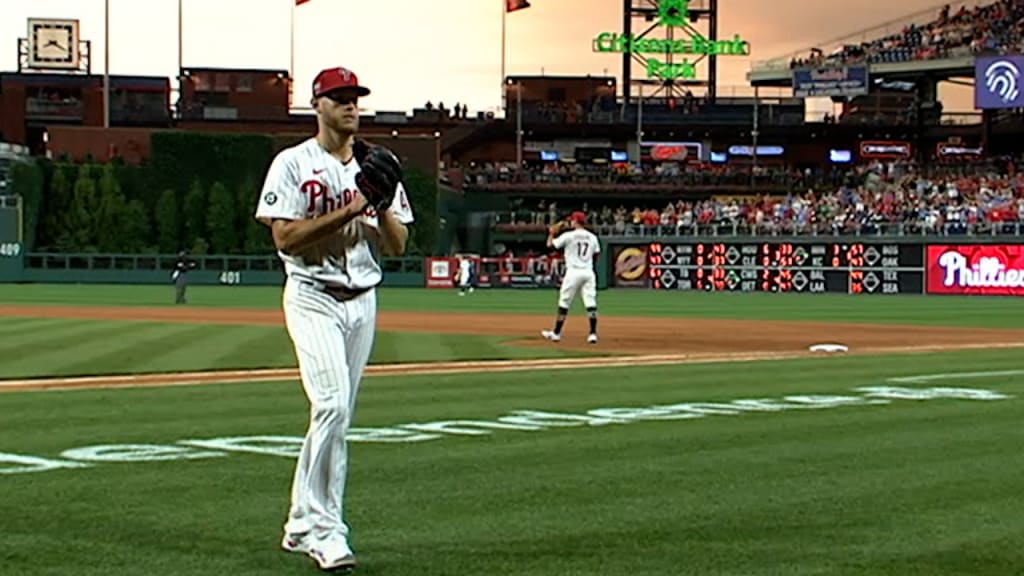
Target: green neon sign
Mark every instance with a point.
(671, 13)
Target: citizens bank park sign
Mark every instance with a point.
(674, 14)
(516, 421)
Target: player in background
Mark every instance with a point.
(182, 266)
(581, 248)
(329, 201)
(465, 275)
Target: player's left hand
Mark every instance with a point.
(379, 176)
(557, 227)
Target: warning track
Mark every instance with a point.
(291, 374)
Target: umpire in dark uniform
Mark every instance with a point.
(180, 276)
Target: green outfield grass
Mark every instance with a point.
(44, 347)
(55, 347)
(903, 309)
(910, 487)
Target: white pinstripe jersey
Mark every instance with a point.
(305, 181)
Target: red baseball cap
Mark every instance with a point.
(331, 79)
(578, 217)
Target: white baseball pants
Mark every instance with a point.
(583, 282)
(333, 341)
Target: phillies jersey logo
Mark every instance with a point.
(320, 200)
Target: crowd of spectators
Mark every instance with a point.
(603, 108)
(993, 28)
(687, 174)
(889, 198)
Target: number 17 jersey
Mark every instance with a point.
(580, 246)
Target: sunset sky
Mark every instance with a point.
(409, 51)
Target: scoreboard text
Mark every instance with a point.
(853, 268)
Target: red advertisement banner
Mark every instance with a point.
(991, 269)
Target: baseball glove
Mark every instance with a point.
(556, 228)
(379, 176)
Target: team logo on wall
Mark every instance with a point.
(997, 82)
(631, 267)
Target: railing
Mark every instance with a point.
(898, 229)
(214, 112)
(213, 263)
(140, 114)
(41, 109)
(775, 180)
(772, 111)
(867, 35)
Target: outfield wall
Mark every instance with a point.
(53, 268)
(857, 265)
(11, 237)
(854, 265)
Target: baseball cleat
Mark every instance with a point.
(333, 554)
(295, 543)
(549, 335)
(592, 339)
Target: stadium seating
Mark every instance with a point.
(622, 176)
(883, 198)
(993, 28)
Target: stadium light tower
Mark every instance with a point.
(669, 46)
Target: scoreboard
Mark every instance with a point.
(737, 266)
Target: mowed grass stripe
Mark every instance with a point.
(105, 348)
(226, 347)
(265, 347)
(85, 348)
(167, 347)
(401, 347)
(14, 327)
(42, 351)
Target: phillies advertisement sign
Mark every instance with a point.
(995, 270)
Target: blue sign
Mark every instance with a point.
(837, 81)
(997, 82)
(761, 150)
(840, 156)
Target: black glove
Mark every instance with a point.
(379, 176)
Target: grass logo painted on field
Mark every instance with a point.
(519, 420)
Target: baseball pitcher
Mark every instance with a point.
(580, 247)
(331, 202)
